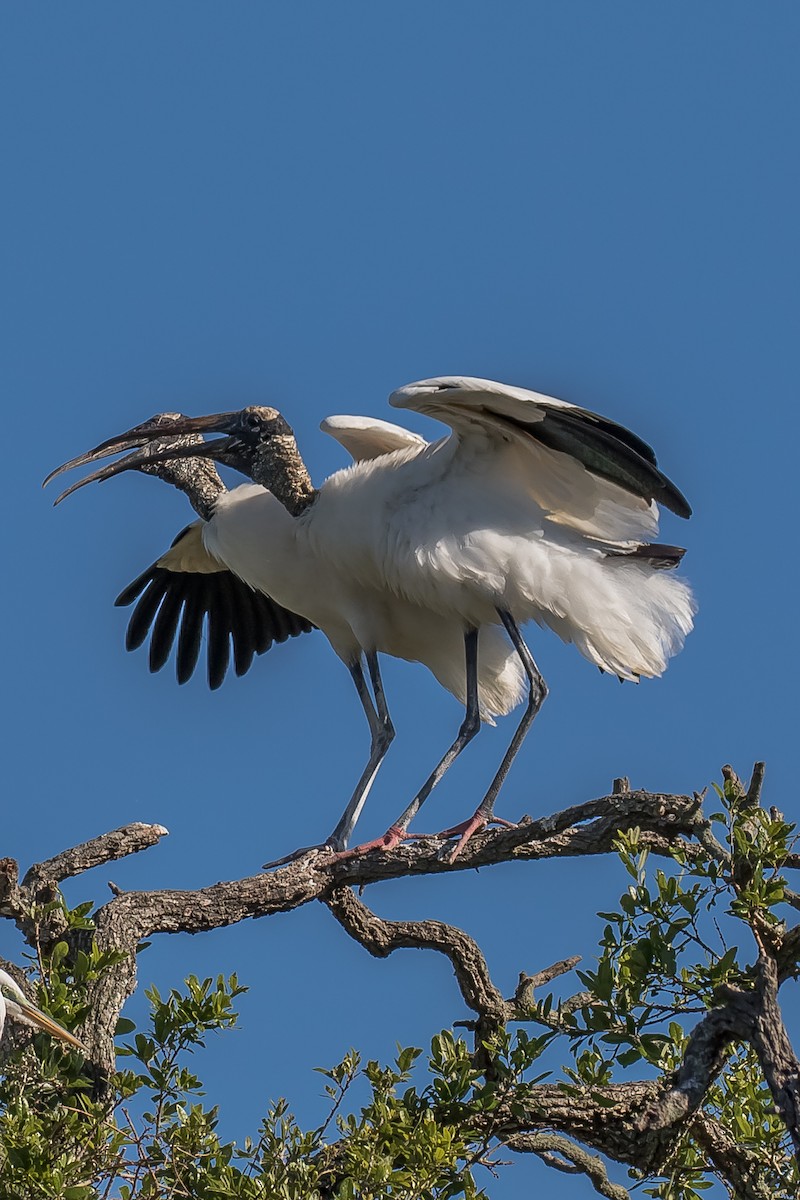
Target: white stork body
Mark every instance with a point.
(254, 536)
(532, 509)
(485, 519)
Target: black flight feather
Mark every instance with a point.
(176, 604)
(191, 630)
(608, 450)
(219, 631)
(165, 625)
(146, 609)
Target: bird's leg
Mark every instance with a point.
(398, 830)
(382, 734)
(382, 731)
(380, 697)
(537, 693)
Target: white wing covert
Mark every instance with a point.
(584, 471)
(367, 437)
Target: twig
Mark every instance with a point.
(523, 996)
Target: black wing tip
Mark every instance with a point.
(134, 589)
(656, 554)
(608, 451)
(174, 609)
(673, 499)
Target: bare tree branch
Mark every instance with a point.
(129, 839)
(9, 888)
(740, 1167)
(523, 996)
(565, 1156)
(636, 1123)
(770, 1040)
(590, 828)
(381, 937)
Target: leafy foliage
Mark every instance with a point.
(159, 1139)
(430, 1126)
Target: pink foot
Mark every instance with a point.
(393, 837)
(466, 829)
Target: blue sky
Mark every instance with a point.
(213, 205)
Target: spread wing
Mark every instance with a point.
(186, 588)
(367, 437)
(584, 471)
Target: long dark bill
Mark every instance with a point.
(147, 456)
(155, 440)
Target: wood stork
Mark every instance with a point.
(191, 581)
(15, 1005)
(531, 509)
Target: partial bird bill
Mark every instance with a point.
(149, 443)
(172, 424)
(27, 1013)
(141, 435)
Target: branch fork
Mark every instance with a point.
(636, 1123)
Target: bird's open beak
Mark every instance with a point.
(28, 1014)
(162, 425)
(166, 424)
(143, 442)
(145, 456)
(89, 457)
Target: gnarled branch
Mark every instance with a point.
(636, 1123)
(564, 1155)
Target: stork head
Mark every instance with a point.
(249, 435)
(251, 425)
(257, 441)
(14, 1004)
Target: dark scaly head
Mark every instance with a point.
(275, 461)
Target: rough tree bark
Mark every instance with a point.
(633, 1123)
